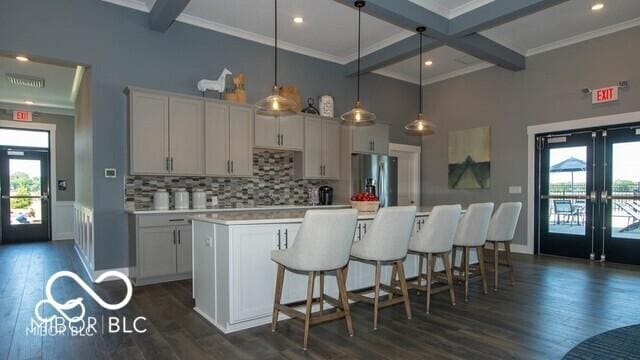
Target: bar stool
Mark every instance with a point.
(471, 235)
(323, 243)
(432, 242)
(386, 242)
(501, 231)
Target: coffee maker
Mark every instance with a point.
(325, 195)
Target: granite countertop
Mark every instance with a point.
(222, 210)
(275, 217)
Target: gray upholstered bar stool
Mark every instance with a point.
(434, 241)
(323, 243)
(386, 242)
(501, 231)
(471, 235)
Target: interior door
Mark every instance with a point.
(620, 199)
(24, 185)
(566, 179)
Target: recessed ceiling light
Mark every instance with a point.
(298, 20)
(428, 63)
(597, 6)
(28, 102)
(22, 58)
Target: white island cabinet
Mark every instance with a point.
(234, 277)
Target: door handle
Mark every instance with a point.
(232, 166)
(279, 239)
(166, 163)
(286, 238)
(174, 236)
(593, 196)
(172, 164)
(229, 166)
(604, 196)
(365, 227)
(179, 237)
(359, 232)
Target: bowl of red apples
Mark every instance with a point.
(365, 202)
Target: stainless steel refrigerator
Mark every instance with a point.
(380, 171)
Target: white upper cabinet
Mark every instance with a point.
(370, 139)
(321, 157)
(284, 133)
(165, 134)
(148, 133)
(228, 134)
(186, 137)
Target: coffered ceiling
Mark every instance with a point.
(328, 30)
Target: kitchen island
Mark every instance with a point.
(234, 277)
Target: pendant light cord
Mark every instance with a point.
(420, 79)
(275, 47)
(358, 86)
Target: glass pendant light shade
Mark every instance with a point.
(420, 126)
(358, 116)
(276, 105)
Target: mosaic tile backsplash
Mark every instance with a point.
(273, 175)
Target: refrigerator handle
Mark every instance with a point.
(380, 185)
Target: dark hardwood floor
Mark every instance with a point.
(555, 304)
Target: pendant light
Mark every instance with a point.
(358, 116)
(420, 126)
(276, 105)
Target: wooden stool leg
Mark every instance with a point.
(507, 250)
(431, 267)
(307, 317)
(393, 282)
(419, 280)
(405, 290)
(342, 290)
(447, 269)
(480, 252)
(376, 293)
(496, 265)
(321, 299)
(278, 297)
(453, 260)
(465, 260)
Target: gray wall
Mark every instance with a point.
(64, 149)
(83, 151)
(547, 91)
(122, 51)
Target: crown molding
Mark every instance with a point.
(584, 37)
(396, 75)
(467, 70)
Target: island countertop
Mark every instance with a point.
(276, 217)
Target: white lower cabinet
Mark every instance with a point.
(163, 254)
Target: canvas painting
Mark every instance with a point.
(470, 158)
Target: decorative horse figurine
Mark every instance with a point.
(215, 85)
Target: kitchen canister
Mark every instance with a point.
(325, 105)
(161, 200)
(199, 199)
(181, 199)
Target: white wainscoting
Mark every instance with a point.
(63, 225)
(83, 236)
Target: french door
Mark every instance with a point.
(588, 194)
(24, 190)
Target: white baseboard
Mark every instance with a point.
(515, 248)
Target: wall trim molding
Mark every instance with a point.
(59, 234)
(532, 131)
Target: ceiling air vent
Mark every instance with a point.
(25, 80)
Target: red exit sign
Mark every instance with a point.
(20, 115)
(604, 95)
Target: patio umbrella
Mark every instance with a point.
(571, 165)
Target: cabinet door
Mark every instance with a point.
(381, 139)
(184, 260)
(253, 274)
(312, 148)
(148, 133)
(216, 130)
(295, 283)
(362, 138)
(292, 132)
(157, 251)
(240, 134)
(204, 272)
(331, 149)
(266, 131)
(186, 136)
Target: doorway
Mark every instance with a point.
(25, 204)
(588, 200)
(408, 173)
